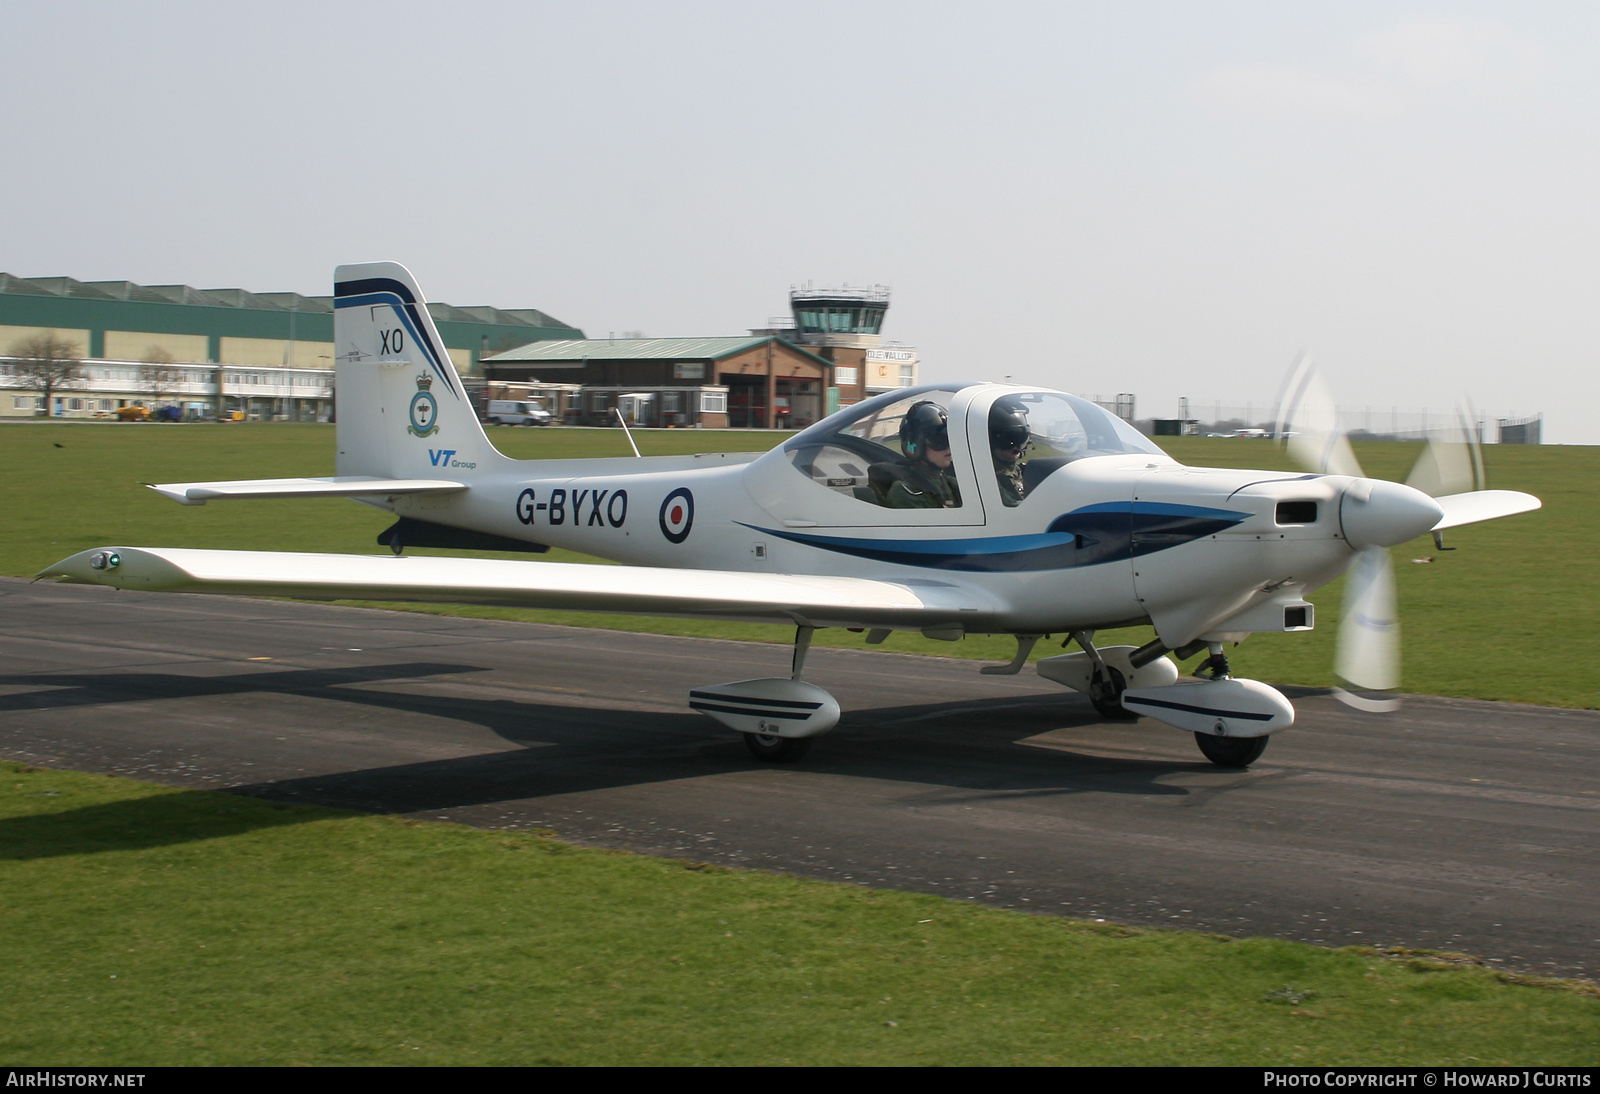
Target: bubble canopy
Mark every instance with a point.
(1069, 428)
(1063, 425)
(869, 418)
(931, 447)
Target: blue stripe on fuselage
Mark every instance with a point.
(1108, 532)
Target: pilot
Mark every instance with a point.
(1008, 441)
(928, 481)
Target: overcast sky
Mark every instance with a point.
(1169, 199)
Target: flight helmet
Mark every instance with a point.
(1008, 427)
(926, 425)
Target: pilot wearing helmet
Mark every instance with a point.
(1008, 441)
(927, 480)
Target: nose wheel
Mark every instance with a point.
(1230, 751)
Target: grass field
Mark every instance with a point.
(153, 926)
(1500, 618)
(157, 926)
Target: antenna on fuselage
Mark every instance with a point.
(625, 431)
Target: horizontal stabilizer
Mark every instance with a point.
(1479, 505)
(642, 590)
(348, 486)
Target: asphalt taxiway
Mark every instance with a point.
(1454, 825)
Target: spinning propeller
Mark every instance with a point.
(1444, 489)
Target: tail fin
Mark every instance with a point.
(402, 410)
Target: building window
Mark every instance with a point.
(845, 376)
(672, 402)
(713, 402)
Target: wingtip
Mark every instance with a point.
(76, 568)
(173, 494)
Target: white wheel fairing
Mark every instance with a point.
(769, 709)
(1076, 670)
(1222, 708)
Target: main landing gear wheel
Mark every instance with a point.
(777, 750)
(1231, 751)
(1105, 693)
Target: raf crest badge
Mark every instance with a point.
(423, 409)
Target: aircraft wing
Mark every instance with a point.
(911, 603)
(349, 486)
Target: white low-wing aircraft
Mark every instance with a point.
(948, 509)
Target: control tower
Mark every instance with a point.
(844, 317)
(845, 325)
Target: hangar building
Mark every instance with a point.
(787, 375)
(753, 381)
(269, 355)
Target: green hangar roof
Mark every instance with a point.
(577, 351)
(122, 320)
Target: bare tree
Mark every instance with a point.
(156, 374)
(47, 364)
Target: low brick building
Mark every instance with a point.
(756, 381)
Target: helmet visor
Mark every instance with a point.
(1013, 435)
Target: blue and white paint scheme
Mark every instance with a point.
(1102, 529)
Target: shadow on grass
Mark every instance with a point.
(137, 824)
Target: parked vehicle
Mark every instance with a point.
(517, 412)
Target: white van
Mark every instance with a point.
(517, 412)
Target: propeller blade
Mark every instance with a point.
(1452, 463)
(1306, 412)
(1369, 632)
(1479, 505)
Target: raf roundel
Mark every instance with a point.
(677, 515)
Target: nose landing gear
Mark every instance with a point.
(1230, 718)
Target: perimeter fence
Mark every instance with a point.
(1363, 423)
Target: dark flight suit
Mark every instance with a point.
(1009, 476)
(925, 487)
